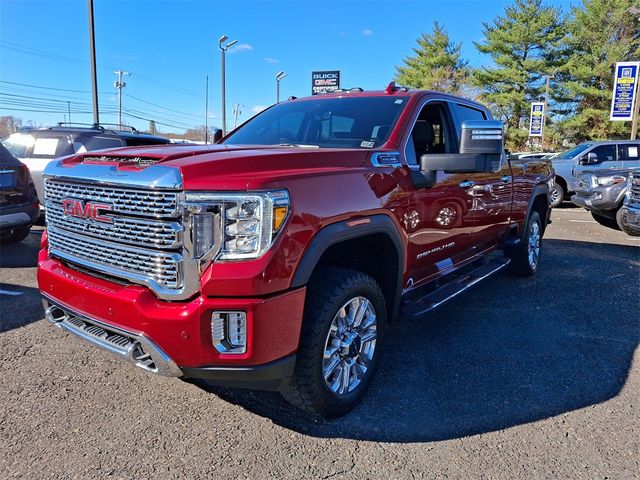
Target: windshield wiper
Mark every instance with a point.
(299, 145)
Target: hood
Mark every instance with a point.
(229, 167)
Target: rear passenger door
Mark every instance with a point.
(491, 192)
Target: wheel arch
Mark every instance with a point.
(349, 244)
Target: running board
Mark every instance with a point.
(448, 291)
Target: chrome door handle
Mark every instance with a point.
(467, 184)
(506, 178)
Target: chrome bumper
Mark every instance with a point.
(134, 348)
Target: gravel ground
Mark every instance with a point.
(520, 378)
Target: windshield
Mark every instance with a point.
(575, 151)
(358, 122)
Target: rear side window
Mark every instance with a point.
(51, 146)
(88, 144)
(605, 153)
(629, 151)
(468, 113)
(19, 144)
(141, 141)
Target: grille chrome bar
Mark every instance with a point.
(135, 231)
(146, 203)
(160, 270)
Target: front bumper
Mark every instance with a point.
(601, 200)
(631, 217)
(176, 335)
(18, 216)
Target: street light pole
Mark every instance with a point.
(279, 77)
(223, 49)
(94, 75)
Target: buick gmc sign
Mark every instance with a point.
(323, 82)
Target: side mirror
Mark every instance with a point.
(481, 148)
(217, 136)
(590, 159)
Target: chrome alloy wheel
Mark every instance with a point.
(533, 245)
(350, 345)
(446, 216)
(555, 196)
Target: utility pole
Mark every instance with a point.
(206, 112)
(546, 103)
(94, 76)
(69, 109)
(236, 111)
(119, 84)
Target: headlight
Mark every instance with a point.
(249, 222)
(610, 180)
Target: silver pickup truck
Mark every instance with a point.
(603, 194)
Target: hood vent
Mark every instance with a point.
(140, 162)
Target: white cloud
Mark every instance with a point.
(258, 108)
(367, 32)
(271, 60)
(240, 47)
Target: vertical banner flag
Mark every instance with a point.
(323, 82)
(625, 86)
(536, 120)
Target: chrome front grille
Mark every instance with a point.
(143, 265)
(128, 201)
(130, 230)
(635, 188)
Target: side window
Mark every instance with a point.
(605, 153)
(47, 146)
(141, 141)
(468, 113)
(87, 144)
(629, 151)
(431, 133)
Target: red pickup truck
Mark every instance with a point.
(280, 257)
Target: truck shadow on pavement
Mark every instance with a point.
(23, 254)
(19, 306)
(510, 352)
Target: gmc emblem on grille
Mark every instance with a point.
(89, 210)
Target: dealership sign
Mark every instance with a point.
(625, 86)
(536, 121)
(323, 82)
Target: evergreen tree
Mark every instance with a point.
(601, 33)
(437, 64)
(523, 45)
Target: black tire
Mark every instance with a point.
(606, 221)
(622, 223)
(14, 235)
(521, 263)
(327, 293)
(557, 195)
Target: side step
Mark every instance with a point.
(446, 292)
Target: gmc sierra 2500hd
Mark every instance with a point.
(279, 258)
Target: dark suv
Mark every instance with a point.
(37, 147)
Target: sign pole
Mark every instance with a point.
(636, 112)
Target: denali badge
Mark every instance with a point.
(89, 210)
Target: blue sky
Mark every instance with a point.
(170, 46)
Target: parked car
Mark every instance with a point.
(279, 258)
(593, 157)
(631, 207)
(602, 193)
(18, 199)
(37, 147)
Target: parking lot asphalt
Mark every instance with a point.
(518, 378)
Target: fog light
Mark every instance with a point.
(229, 332)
